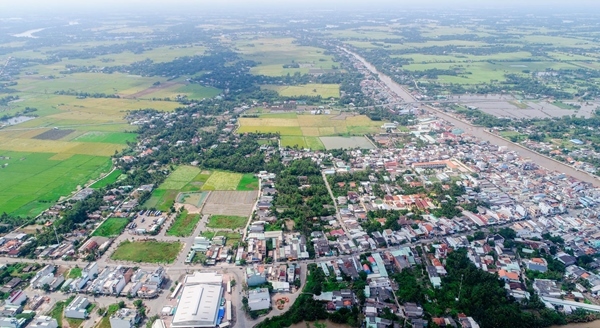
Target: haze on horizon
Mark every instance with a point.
(75, 6)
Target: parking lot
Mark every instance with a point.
(146, 222)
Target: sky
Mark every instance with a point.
(31, 6)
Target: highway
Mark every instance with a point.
(479, 131)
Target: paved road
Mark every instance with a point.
(481, 132)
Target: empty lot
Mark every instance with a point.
(237, 203)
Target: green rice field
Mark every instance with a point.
(111, 227)
(31, 182)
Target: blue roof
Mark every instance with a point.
(577, 141)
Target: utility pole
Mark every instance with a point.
(55, 234)
(460, 288)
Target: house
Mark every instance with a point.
(16, 298)
(12, 322)
(43, 322)
(77, 309)
(255, 277)
(124, 318)
(537, 264)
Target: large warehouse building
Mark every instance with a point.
(200, 300)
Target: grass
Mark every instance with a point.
(74, 323)
(31, 182)
(303, 130)
(74, 273)
(58, 309)
(161, 199)
(147, 251)
(324, 90)
(222, 181)
(180, 177)
(111, 227)
(114, 137)
(563, 105)
(183, 225)
(105, 322)
(248, 182)
(109, 179)
(227, 222)
(273, 53)
(232, 237)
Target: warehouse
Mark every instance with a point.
(199, 303)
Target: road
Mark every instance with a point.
(337, 211)
(479, 131)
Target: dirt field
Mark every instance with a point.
(238, 203)
(53, 134)
(346, 142)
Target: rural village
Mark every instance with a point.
(377, 203)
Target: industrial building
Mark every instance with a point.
(200, 302)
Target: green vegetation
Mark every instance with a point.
(147, 251)
(222, 181)
(109, 179)
(248, 182)
(483, 297)
(227, 222)
(31, 182)
(112, 309)
(184, 224)
(111, 227)
(322, 90)
(59, 308)
(114, 137)
(74, 273)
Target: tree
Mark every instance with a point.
(46, 288)
(121, 304)
(138, 304)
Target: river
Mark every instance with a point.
(29, 34)
(481, 132)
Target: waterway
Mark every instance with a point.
(29, 34)
(16, 120)
(481, 132)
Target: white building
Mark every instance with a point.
(259, 299)
(6, 322)
(124, 318)
(77, 308)
(199, 302)
(43, 322)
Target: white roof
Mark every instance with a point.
(211, 278)
(198, 306)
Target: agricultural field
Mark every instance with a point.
(192, 198)
(113, 177)
(222, 181)
(248, 182)
(273, 53)
(236, 203)
(31, 182)
(183, 225)
(303, 130)
(324, 90)
(227, 222)
(147, 251)
(111, 227)
(188, 181)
